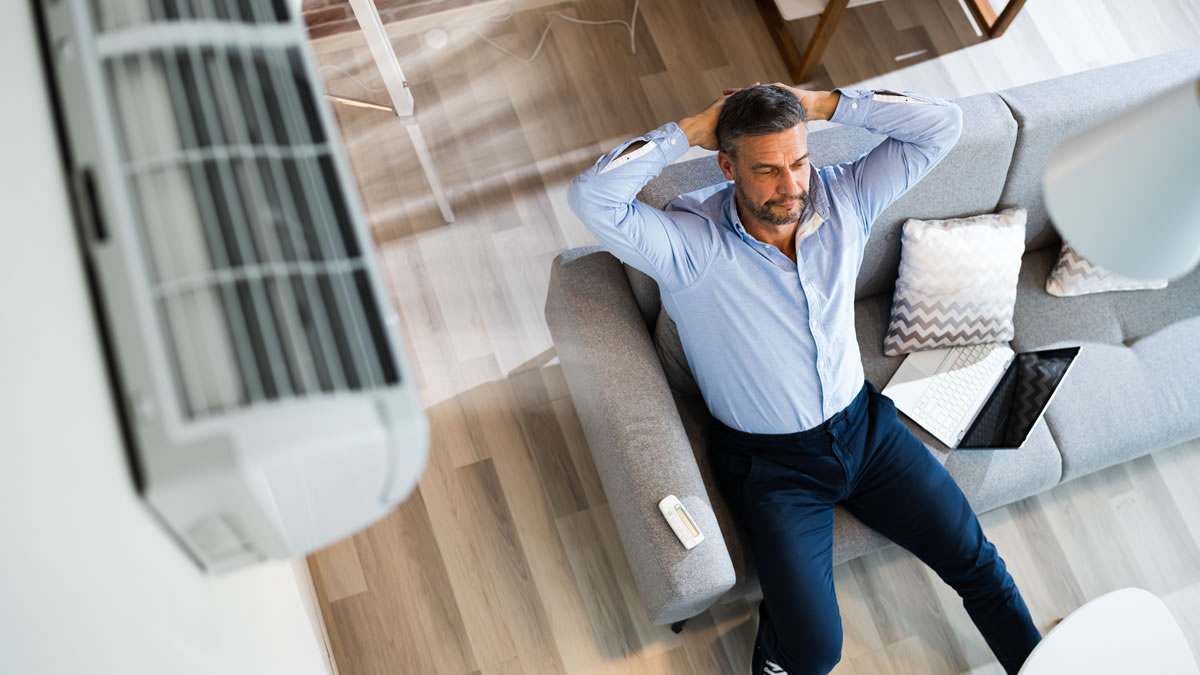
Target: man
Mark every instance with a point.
(759, 275)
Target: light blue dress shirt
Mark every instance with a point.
(771, 343)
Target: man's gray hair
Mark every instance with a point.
(757, 111)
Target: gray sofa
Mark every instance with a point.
(1135, 387)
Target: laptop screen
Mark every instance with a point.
(1022, 394)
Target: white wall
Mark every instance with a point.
(89, 582)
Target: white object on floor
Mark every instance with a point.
(1122, 632)
(436, 38)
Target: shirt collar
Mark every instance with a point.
(817, 202)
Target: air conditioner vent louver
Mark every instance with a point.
(257, 276)
(117, 14)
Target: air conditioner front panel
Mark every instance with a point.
(236, 277)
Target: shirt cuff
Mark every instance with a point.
(672, 140)
(853, 107)
(668, 141)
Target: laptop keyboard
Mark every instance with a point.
(957, 386)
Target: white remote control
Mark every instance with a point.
(680, 521)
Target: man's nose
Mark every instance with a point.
(790, 182)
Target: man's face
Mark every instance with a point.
(770, 174)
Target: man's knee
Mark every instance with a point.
(814, 651)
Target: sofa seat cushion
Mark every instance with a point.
(1145, 313)
(1041, 319)
(1121, 402)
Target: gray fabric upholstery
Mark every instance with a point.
(1040, 318)
(637, 439)
(645, 294)
(1133, 389)
(1051, 110)
(871, 315)
(671, 354)
(1145, 313)
(1119, 402)
(1115, 318)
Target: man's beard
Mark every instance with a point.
(771, 212)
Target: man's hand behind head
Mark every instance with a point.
(701, 128)
(819, 104)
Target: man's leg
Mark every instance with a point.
(905, 494)
(789, 530)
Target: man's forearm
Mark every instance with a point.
(693, 128)
(825, 104)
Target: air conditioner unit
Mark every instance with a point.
(265, 395)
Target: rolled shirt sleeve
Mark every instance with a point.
(672, 247)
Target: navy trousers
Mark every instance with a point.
(782, 489)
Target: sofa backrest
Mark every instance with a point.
(1050, 111)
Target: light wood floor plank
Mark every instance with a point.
(341, 571)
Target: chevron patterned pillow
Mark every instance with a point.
(957, 282)
(1075, 275)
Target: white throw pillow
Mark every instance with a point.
(1075, 275)
(957, 283)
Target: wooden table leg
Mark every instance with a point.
(992, 25)
(782, 38)
(801, 66)
(820, 39)
(1006, 17)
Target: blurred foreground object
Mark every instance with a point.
(1126, 631)
(1125, 193)
(267, 403)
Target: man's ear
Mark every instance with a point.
(726, 163)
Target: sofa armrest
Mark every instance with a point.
(635, 434)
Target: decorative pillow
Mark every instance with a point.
(957, 283)
(670, 352)
(1075, 275)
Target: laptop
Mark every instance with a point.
(979, 396)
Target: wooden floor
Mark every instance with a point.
(506, 559)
